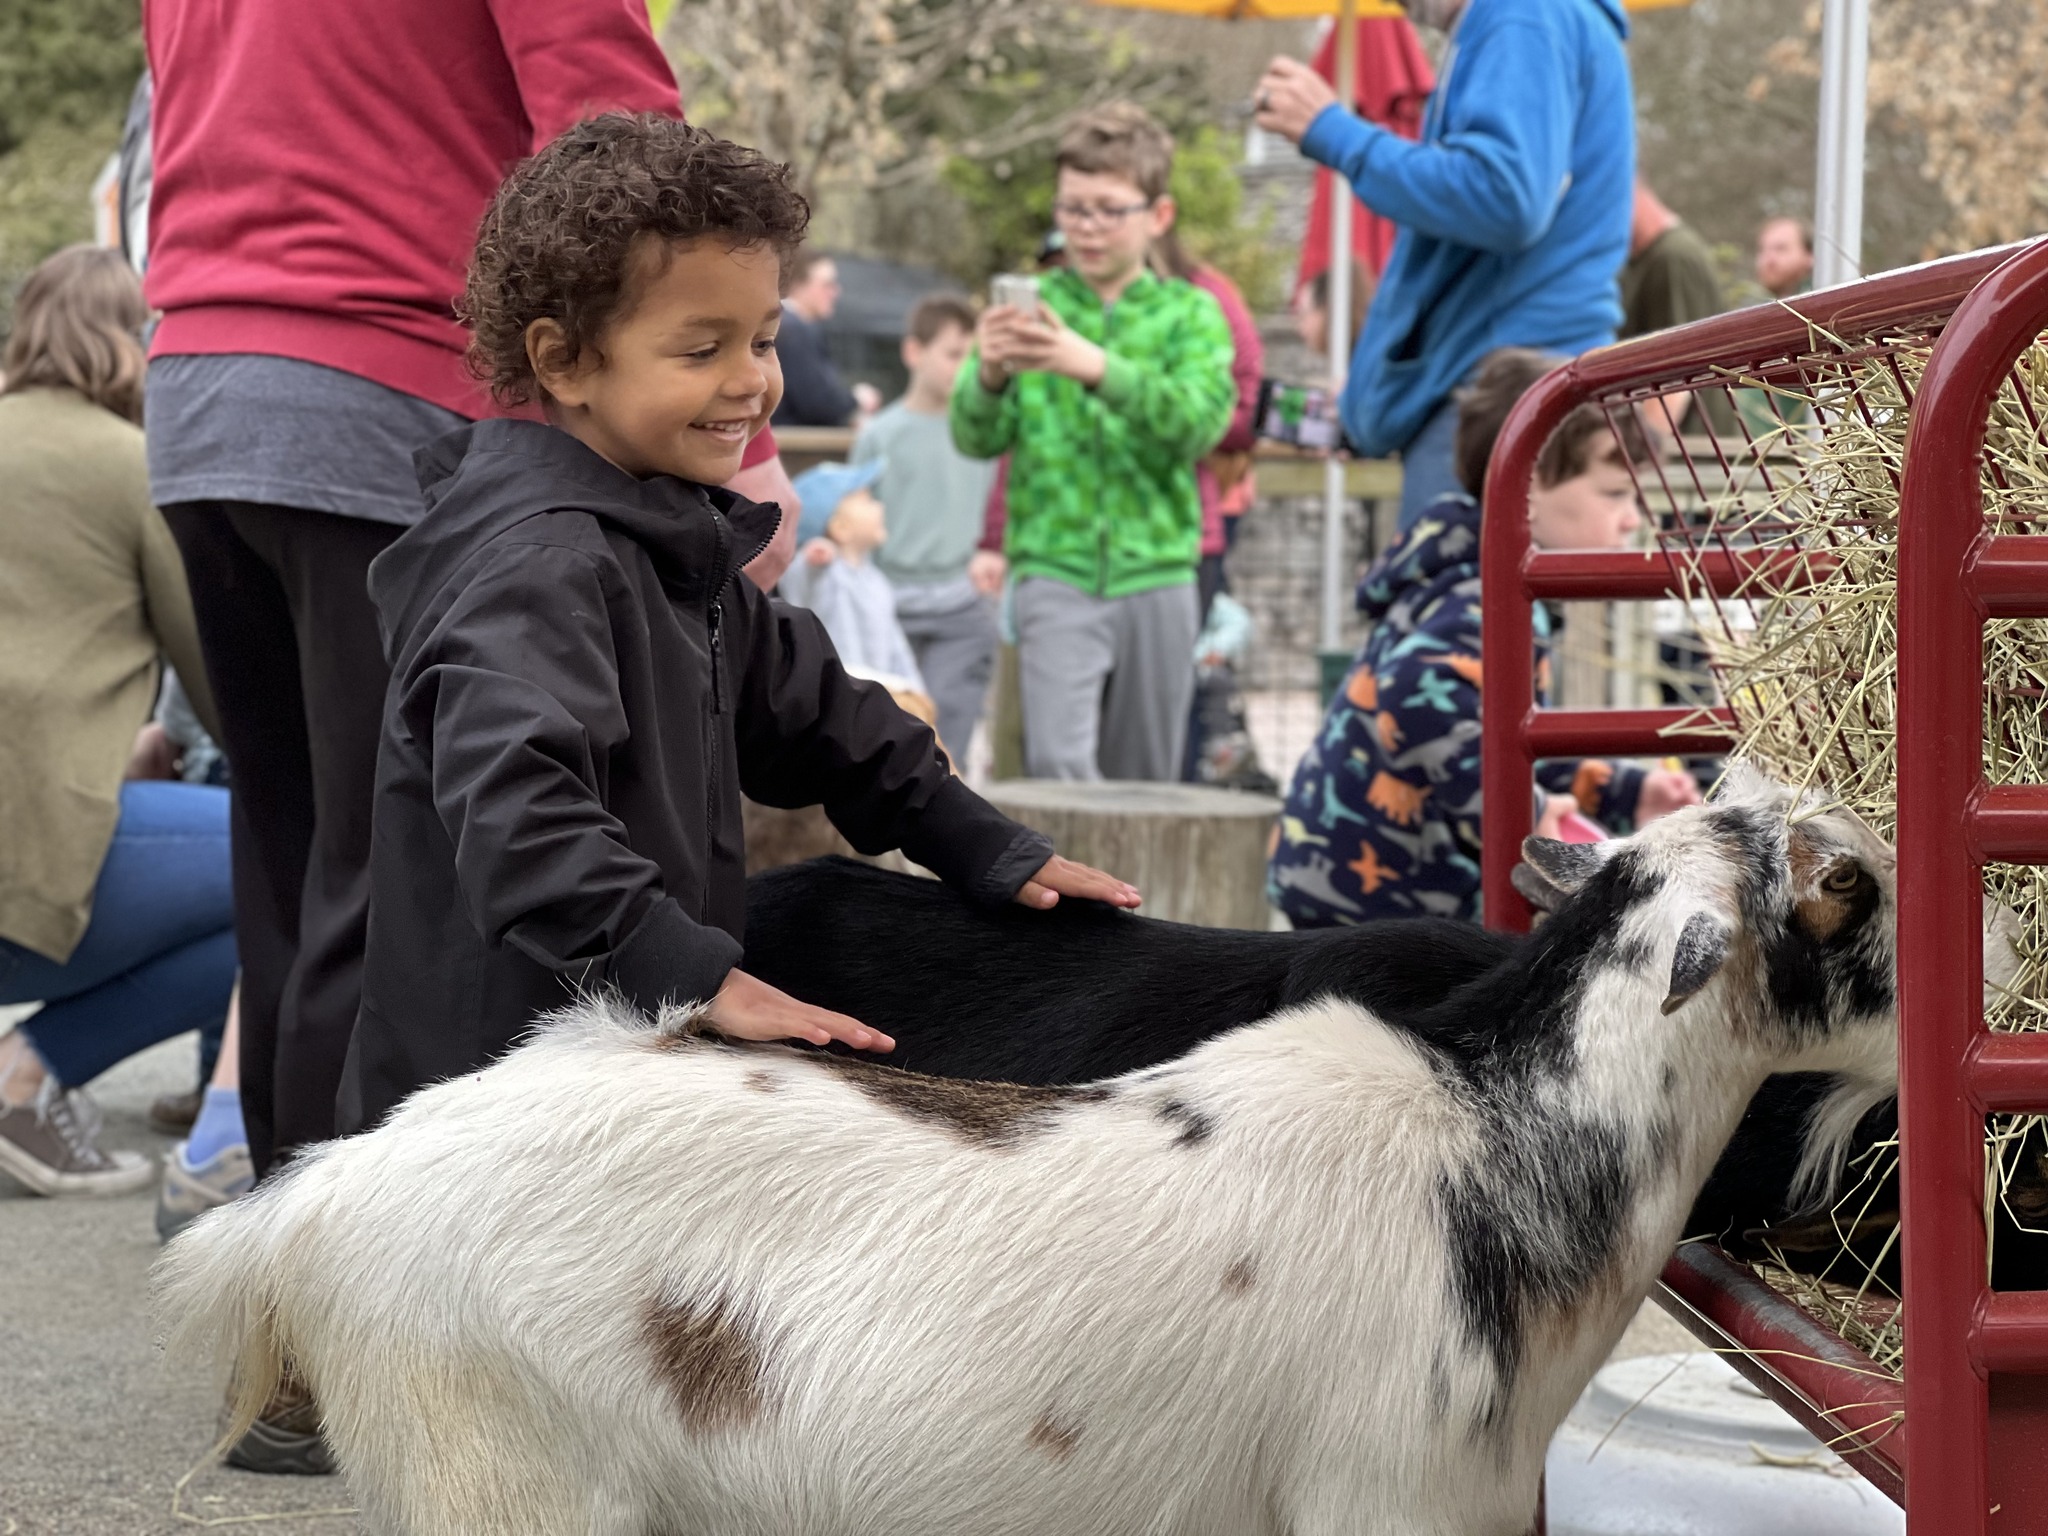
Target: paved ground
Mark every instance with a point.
(95, 1429)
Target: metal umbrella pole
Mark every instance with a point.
(1838, 183)
(1331, 636)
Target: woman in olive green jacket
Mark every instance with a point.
(115, 906)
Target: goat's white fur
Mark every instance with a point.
(1093, 1329)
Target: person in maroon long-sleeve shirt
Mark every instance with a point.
(319, 174)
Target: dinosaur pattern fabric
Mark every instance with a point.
(1382, 817)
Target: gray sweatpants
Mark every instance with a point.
(1105, 683)
(956, 652)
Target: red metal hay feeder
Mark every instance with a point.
(1963, 1443)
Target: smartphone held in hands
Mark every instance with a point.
(1015, 290)
(1301, 415)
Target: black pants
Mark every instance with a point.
(298, 678)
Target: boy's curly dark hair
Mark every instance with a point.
(557, 240)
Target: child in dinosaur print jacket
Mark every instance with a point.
(1382, 817)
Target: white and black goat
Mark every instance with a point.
(1087, 991)
(1324, 1274)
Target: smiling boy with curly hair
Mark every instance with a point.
(581, 688)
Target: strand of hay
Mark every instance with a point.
(1809, 669)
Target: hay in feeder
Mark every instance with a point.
(1806, 658)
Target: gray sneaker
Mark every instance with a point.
(49, 1144)
(188, 1193)
(286, 1438)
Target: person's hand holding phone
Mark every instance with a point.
(1046, 344)
(995, 338)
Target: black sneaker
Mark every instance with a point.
(286, 1438)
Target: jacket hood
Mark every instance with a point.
(483, 479)
(1439, 552)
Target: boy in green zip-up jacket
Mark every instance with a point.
(1104, 399)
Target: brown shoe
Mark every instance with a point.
(174, 1113)
(285, 1438)
(49, 1145)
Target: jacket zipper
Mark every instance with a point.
(1101, 468)
(717, 628)
(714, 624)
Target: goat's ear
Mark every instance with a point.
(1564, 865)
(1536, 890)
(1702, 948)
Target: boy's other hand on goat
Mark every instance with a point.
(1059, 877)
(747, 1008)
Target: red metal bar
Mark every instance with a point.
(1507, 643)
(2009, 576)
(2007, 1074)
(2008, 823)
(1717, 349)
(1627, 732)
(1951, 1483)
(2011, 1332)
(1832, 1388)
(1648, 574)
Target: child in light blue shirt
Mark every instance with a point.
(840, 528)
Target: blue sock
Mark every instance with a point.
(219, 1126)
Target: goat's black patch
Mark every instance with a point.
(1196, 1126)
(1806, 966)
(1530, 1226)
(1519, 1021)
(1755, 842)
(1540, 1212)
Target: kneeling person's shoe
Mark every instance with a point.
(172, 1114)
(50, 1145)
(188, 1193)
(285, 1438)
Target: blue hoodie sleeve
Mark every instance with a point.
(1495, 177)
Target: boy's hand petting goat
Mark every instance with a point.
(1326, 1273)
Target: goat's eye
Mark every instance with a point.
(1842, 879)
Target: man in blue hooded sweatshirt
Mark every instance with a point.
(1513, 211)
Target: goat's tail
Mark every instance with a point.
(220, 1293)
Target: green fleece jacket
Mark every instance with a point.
(1102, 488)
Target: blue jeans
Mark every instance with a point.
(158, 958)
(1429, 467)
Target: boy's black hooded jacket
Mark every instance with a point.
(582, 685)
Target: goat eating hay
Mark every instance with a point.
(1807, 661)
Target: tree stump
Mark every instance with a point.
(1198, 853)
